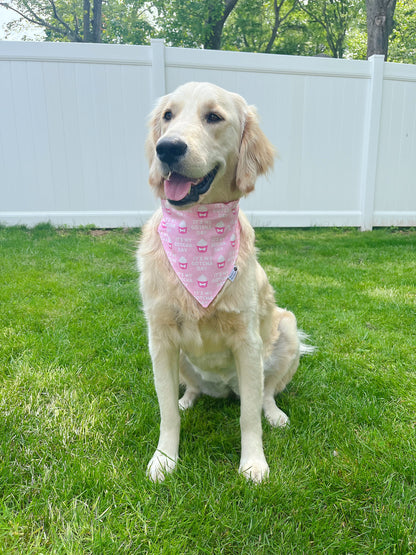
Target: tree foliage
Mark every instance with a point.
(335, 17)
(127, 22)
(403, 41)
(87, 20)
(193, 23)
(256, 25)
(66, 21)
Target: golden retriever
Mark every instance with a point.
(205, 147)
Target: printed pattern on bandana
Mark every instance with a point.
(202, 245)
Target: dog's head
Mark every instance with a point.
(205, 144)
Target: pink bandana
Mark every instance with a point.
(202, 245)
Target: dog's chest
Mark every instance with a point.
(220, 364)
(207, 349)
(216, 371)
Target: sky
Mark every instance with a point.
(25, 32)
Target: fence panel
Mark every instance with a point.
(395, 198)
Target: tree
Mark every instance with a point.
(92, 26)
(335, 17)
(402, 44)
(193, 23)
(255, 25)
(127, 22)
(86, 20)
(82, 25)
(215, 23)
(379, 25)
(280, 15)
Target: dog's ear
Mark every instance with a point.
(154, 124)
(256, 154)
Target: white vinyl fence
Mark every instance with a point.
(73, 125)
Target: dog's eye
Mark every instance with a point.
(212, 117)
(167, 116)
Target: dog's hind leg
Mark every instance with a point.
(280, 368)
(189, 378)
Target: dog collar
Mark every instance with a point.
(202, 244)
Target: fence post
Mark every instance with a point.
(158, 68)
(371, 142)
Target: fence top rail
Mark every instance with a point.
(70, 52)
(266, 63)
(181, 57)
(399, 72)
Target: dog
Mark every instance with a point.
(205, 150)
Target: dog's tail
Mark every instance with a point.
(304, 347)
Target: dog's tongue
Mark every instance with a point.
(177, 186)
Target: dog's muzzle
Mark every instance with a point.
(180, 189)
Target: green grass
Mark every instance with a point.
(79, 415)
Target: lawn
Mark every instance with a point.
(79, 415)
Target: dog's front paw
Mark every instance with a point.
(160, 465)
(255, 470)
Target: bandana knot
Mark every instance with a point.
(201, 244)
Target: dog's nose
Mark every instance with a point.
(169, 150)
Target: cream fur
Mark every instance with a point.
(242, 342)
